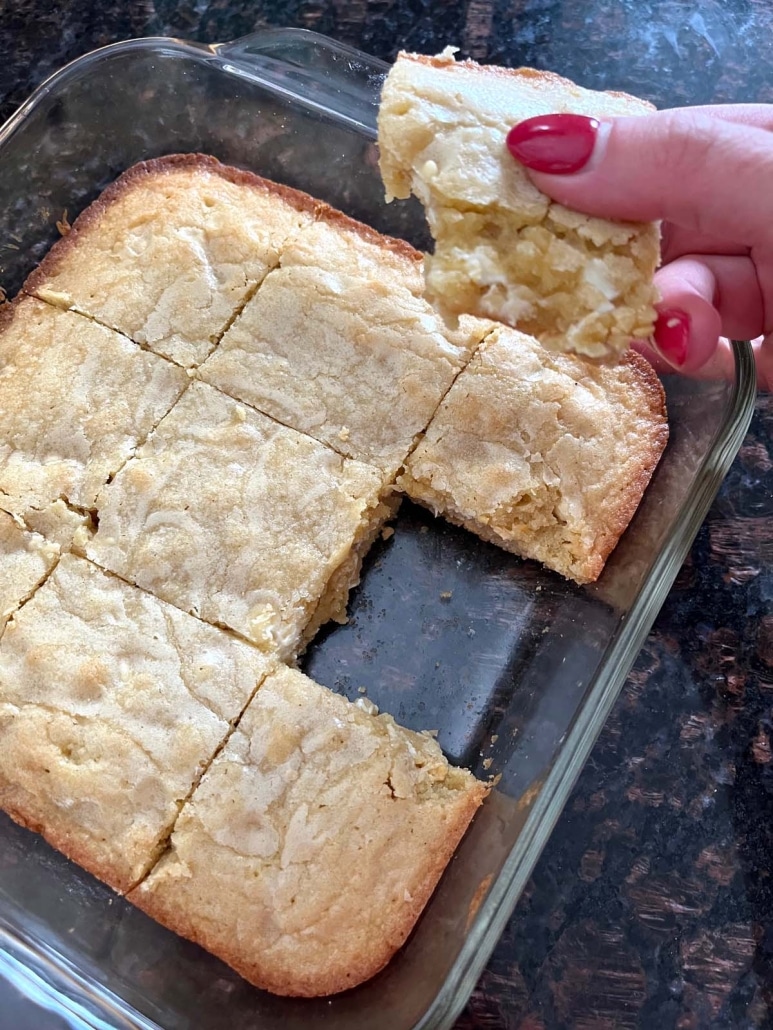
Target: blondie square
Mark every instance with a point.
(544, 454)
(112, 703)
(504, 249)
(241, 521)
(75, 399)
(169, 252)
(313, 842)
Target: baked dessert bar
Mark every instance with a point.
(241, 521)
(544, 454)
(502, 248)
(312, 843)
(170, 251)
(360, 364)
(111, 705)
(25, 560)
(75, 399)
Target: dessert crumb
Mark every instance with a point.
(63, 225)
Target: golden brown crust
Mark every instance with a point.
(649, 387)
(73, 850)
(171, 163)
(8, 311)
(546, 456)
(148, 169)
(335, 979)
(338, 220)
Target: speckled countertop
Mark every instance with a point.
(652, 904)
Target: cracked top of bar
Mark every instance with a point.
(111, 705)
(503, 249)
(75, 399)
(360, 364)
(169, 252)
(59, 523)
(313, 842)
(25, 559)
(240, 520)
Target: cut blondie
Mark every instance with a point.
(241, 521)
(546, 455)
(75, 399)
(504, 249)
(112, 703)
(313, 842)
(359, 364)
(171, 250)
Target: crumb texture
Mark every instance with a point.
(546, 455)
(236, 519)
(313, 842)
(503, 249)
(111, 705)
(59, 524)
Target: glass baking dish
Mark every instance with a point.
(515, 668)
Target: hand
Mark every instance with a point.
(707, 172)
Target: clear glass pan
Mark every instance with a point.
(515, 668)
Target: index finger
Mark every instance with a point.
(702, 172)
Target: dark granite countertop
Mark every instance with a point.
(652, 904)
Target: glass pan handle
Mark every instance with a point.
(312, 69)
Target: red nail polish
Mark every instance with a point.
(672, 334)
(555, 143)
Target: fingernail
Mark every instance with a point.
(554, 143)
(672, 335)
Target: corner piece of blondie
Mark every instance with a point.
(544, 454)
(313, 842)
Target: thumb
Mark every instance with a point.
(685, 166)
